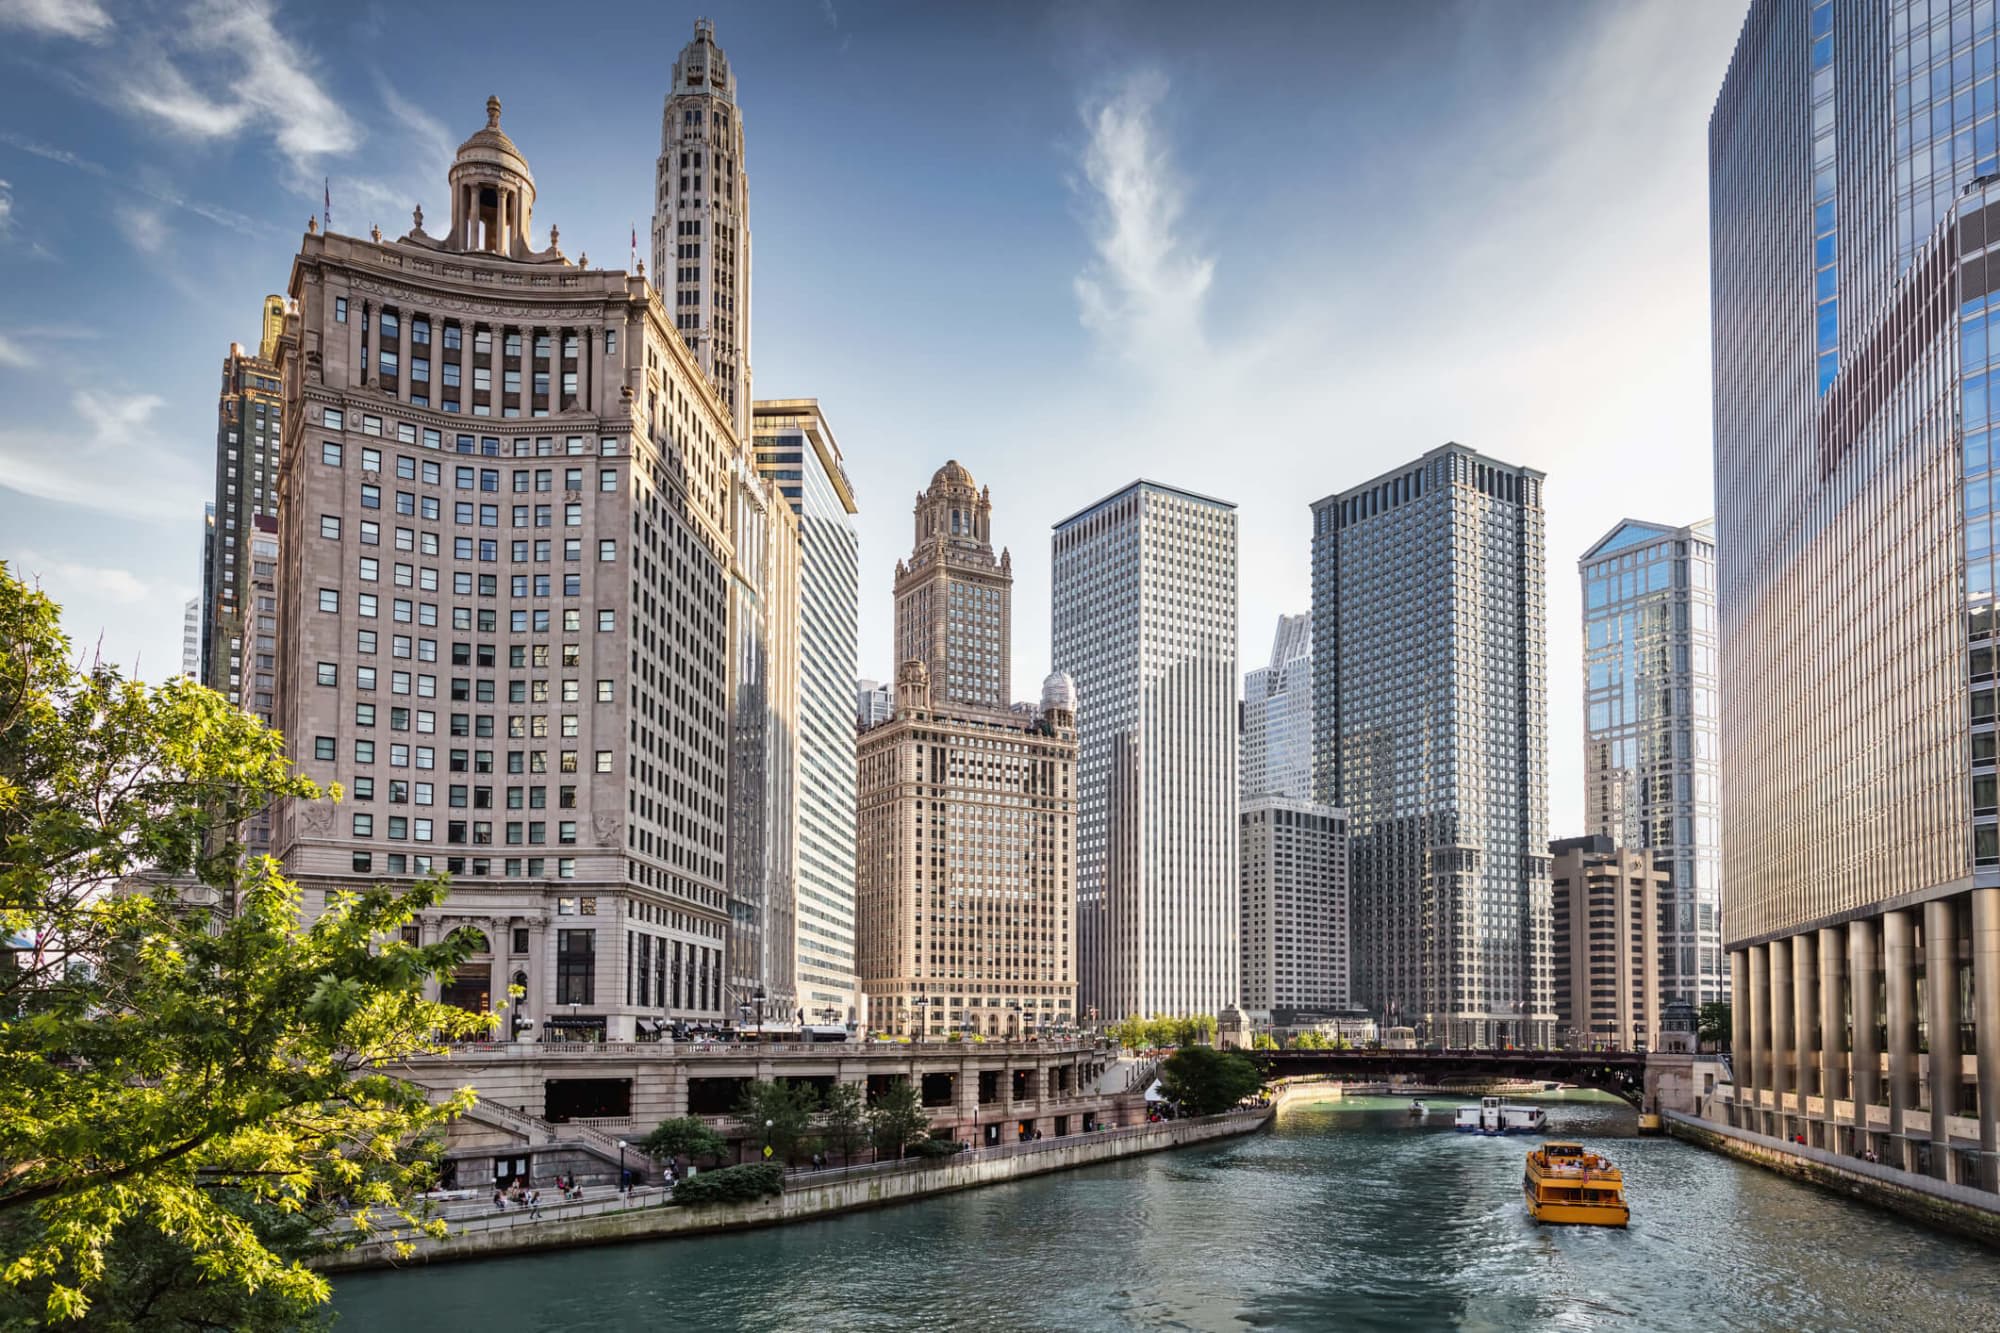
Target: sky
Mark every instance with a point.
(1261, 252)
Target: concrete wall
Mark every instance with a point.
(844, 1193)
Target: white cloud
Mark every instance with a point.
(82, 19)
(158, 192)
(225, 68)
(1144, 293)
(110, 459)
(120, 586)
(831, 15)
(13, 354)
(145, 229)
(6, 206)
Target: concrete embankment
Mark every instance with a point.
(816, 1194)
(1936, 1203)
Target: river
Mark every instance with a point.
(1344, 1215)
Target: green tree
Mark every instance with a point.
(1263, 1041)
(897, 1117)
(684, 1136)
(779, 1114)
(1309, 1040)
(845, 1123)
(196, 1081)
(1714, 1024)
(1205, 1080)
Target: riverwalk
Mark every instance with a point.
(649, 1214)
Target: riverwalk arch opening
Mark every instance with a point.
(1620, 1073)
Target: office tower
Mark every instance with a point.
(1294, 934)
(1650, 706)
(1851, 157)
(1430, 714)
(796, 450)
(954, 597)
(965, 897)
(502, 606)
(701, 220)
(1144, 598)
(1606, 911)
(247, 431)
(191, 638)
(873, 702)
(1277, 717)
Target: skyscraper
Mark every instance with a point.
(1852, 152)
(1277, 717)
(1650, 705)
(796, 450)
(954, 597)
(191, 638)
(701, 220)
(966, 900)
(873, 702)
(1607, 915)
(247, 432)
(1144, 595)
(1430, 718)
(1295, 922)
(507, 548)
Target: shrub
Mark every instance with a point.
(937, 1148)
(732, 1184)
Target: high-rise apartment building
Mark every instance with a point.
(1606, 909)
(1651, 697)
(966, 880)
(954, 597)
(1144, 599)
(191, 638)
(1277, 717)
(796, 451)
(506, 553)
(1852, 156)
(1294, 933)
(1430, 718)
(873, 702)
(247, 432)
(701, 220)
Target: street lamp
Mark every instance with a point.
(624, 1180)
(922, 1003)
(767, 1139)
(758, 997)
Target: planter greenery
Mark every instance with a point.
(732, 1184)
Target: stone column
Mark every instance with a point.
(1756, 1064)
(1945, 1066)
(1739, 1036)
(1783, 1038)
(1864, 1073)
(1805, 1021)
(1834, 1043)
(1986, 1020)
(1900, 968)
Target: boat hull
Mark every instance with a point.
(1578, 1214)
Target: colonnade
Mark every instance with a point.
(1845, 1038)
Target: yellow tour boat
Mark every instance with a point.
(1564, 1183)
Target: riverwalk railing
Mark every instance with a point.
(678, 1050)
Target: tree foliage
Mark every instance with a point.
(779, 1113)
(1161, 1031)
(732, 1184)
(196, 1082)
(1714, 1023)
(684, 1136)
(845, 1125)
(1205, 1081)
(1263, 1041)
(897, 1118)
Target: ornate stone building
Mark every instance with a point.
(954, 598)
(507, 548)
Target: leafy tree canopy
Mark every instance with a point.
(1206, 1081)
(197, 1082)
(684, 1136)
(897, 1117)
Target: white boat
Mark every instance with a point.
(1417, 1109)
(1493, 1116)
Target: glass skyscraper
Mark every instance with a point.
(795, 449)
(1277, 716)
(1650, 699)
(1144, 621)
(1852, 155)
(1430, 723)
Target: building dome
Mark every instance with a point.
(953, 473)
(1059, 691)
(490, 144)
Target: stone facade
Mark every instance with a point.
(1295, 919)
(1605, 906)
(954, 597)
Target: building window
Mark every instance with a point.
(340, 310)
(329, 600)
(329, 674)
(323, 748)
(576, 967)
(607, 550)
(329, 452)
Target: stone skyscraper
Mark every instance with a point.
(1431, 714)
(247, 431)
(1853, 213)
(1295, 911)
(966, 900)
(1277, 717)
(1144, 596)
(701, 220)
(954, 597)
(507, 548)
(1650, 701)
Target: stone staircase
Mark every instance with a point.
(540, 1133)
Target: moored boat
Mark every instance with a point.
(1565, 1184)
(1493, 1116)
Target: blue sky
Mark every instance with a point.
(1263, 252)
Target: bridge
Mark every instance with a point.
(1623, 1074)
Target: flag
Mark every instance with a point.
(326, 214)
(635, 245)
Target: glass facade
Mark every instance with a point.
(1277, 716)
(1650, 701)
(1430, 706)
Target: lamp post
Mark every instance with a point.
(922, 1004)
(624, 1180)
(758, 996)
(767, 1139)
